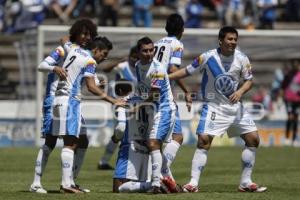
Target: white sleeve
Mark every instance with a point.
(246, 69)
(45, 67)
(121, 123)
(177, 54)
(198, 63)
(55, 57)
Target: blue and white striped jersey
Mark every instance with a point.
(221, 75)
(154, 75)
(124, 71)
(78, 64)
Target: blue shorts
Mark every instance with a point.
(177, 127)
(47, 116)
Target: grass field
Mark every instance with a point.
(277, 168)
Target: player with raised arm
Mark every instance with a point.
(125, 71)
(226, 77)
(81, 32)
(169, 52)
(80, 65)
(154, 87)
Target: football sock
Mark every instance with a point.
(156, 159)
(132, 186)
(67, 159)
(41, 162)
(109, 150)
(198, 164)
(169, 155)
(78, 160)
(248, 160)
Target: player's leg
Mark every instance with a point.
(289, 122)
(110, 148)
(171, 149)
(162, 127)
(295, 123)
(41, 162)
(199, 161)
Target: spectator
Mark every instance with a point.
(142, 12)
(194, 10)
(219, 8)
(24, 15)
(63, 8)
(291, 89)
(234, 13)
(267, 13)
(292, 10)
(109, 12)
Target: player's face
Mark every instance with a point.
(84, 38)
(228, 44)
(146, 53)
(100, 55)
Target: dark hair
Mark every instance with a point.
(100, 43)
(174, 24)
(142, 41)
(227, 29)
(123, 87)
(133, 50)
(80, 26)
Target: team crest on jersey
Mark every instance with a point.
(225, 84)
(143, 90)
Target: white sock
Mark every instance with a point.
(67, 159)
(40, 164)
(198, 164)
(132, 186)
(169, 155)
(78, 160)
(109, 150)
(156, 159)
(248, 160)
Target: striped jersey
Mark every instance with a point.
(78, 64)
(124, 71)
(221, 75)
(154, 75)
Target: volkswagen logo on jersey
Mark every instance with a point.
(224, 84)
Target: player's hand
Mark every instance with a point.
(64, 40)
(235, 97)
(120, 102)
(188, 100)
(61, 73)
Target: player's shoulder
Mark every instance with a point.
(240, 55)
(207, 54)
(123, 65)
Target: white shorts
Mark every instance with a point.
(132, 164)
(218, 119)
(163, 124)
(66, 116)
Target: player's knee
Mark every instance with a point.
(83, 142)
(252, 139)
(70, 141)
(154, 144)
(203, 143)
(178, 138)
(50, 141)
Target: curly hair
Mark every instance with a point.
(81, 26)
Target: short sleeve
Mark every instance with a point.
(177, 54)
(246, 69)
(197, 63)
(90, 68)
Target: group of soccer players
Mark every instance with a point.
(146, 114)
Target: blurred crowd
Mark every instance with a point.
(19, 15)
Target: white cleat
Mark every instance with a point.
(253, 187)
(37, 189)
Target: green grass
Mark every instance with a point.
(277, 168)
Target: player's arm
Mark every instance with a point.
(181, 73)
(49, 64)
(236, 96)
(121, 124)
(110, 66)
(183, 87)
(93, 88)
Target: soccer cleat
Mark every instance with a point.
(164, 188)
(253, 187)
(105, 167)
(190, 188)
(170, 183)
(37, 189)
(69, 190)
(84, 190)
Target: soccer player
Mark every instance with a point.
(81, 32)
(154, 87)
(223, 69)
(80, 65)
(131, 129)
(169, 51)
(125, 70)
